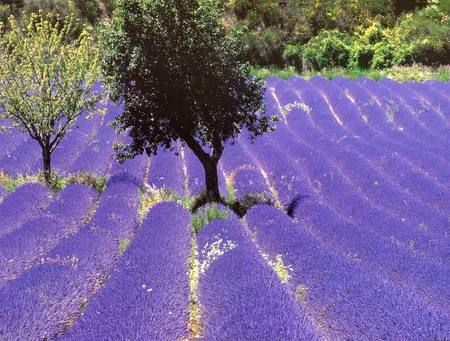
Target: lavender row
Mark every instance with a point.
(147, 296)
(250, 181)
(166, 171)
(23, 160)
(10, 138)
(133, 171)
(364, 239)
(400, 115)
(406, 173)
(97, 157)
(23, 247)
(75, 142)
(242, 172)
(427, 116)
(241, 297)
(384, 257)
(49, 296)
(376, 195)
(340, 192)
(3, 193)
(351, 303)
(359, 123)
(27, 202)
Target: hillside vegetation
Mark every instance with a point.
(309, 35)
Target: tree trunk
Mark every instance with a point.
(212, 180)
(46, 158)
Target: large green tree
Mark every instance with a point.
(46, 79)
(181, 78)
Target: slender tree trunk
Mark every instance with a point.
(46, 158)
(212, 180)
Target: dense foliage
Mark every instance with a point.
(89, 11)
(46, 79)
(181, 78)
(285, 33)
(365, 34)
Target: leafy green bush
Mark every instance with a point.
(292, 55)
(422, 37)
(365, 46)
(265, 47)
(383, 56)
(328, 49)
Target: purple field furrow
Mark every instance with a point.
(132, 171)
(26, 203)
(10, 140)
(153, 274)
(392, 261)
(434, 98)
(65, 215)
(234, 158)
(241, 297)
(360, 123)
(166, 171)
(397, 120)
(97, 156)
(373, 121)
(195, 173)
(349, 302)
(355, 245)
(412, 111)
(40, 303)
(249, 181)
(345, 195)
(23, 160)
(76, 141)
(374, 184)
(49, 296)
(406, 114)
(370, 243)
(3, 193)
(117, 213)
(426, 115)
(381, 154)
(281, 171)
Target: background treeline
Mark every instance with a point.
(89, 11)
(310, 34)
(318, 34)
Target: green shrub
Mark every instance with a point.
(365, 45)
(361, 54)
(422, 37)
(326, 50)
(206, 214)
(383, 56)
(292, 56)
(265, 47)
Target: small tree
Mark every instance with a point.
(181, 77)
(47, 75)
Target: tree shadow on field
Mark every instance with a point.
(241, 206)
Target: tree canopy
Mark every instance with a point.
(181, 78)
(46, 78)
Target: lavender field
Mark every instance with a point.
(366, 255)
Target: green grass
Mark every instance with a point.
(282, 270)
(123, 245)
(57, 184)
(206, 214)
(268, 72)
(149, 198)
(231, 195)
(400, 73)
